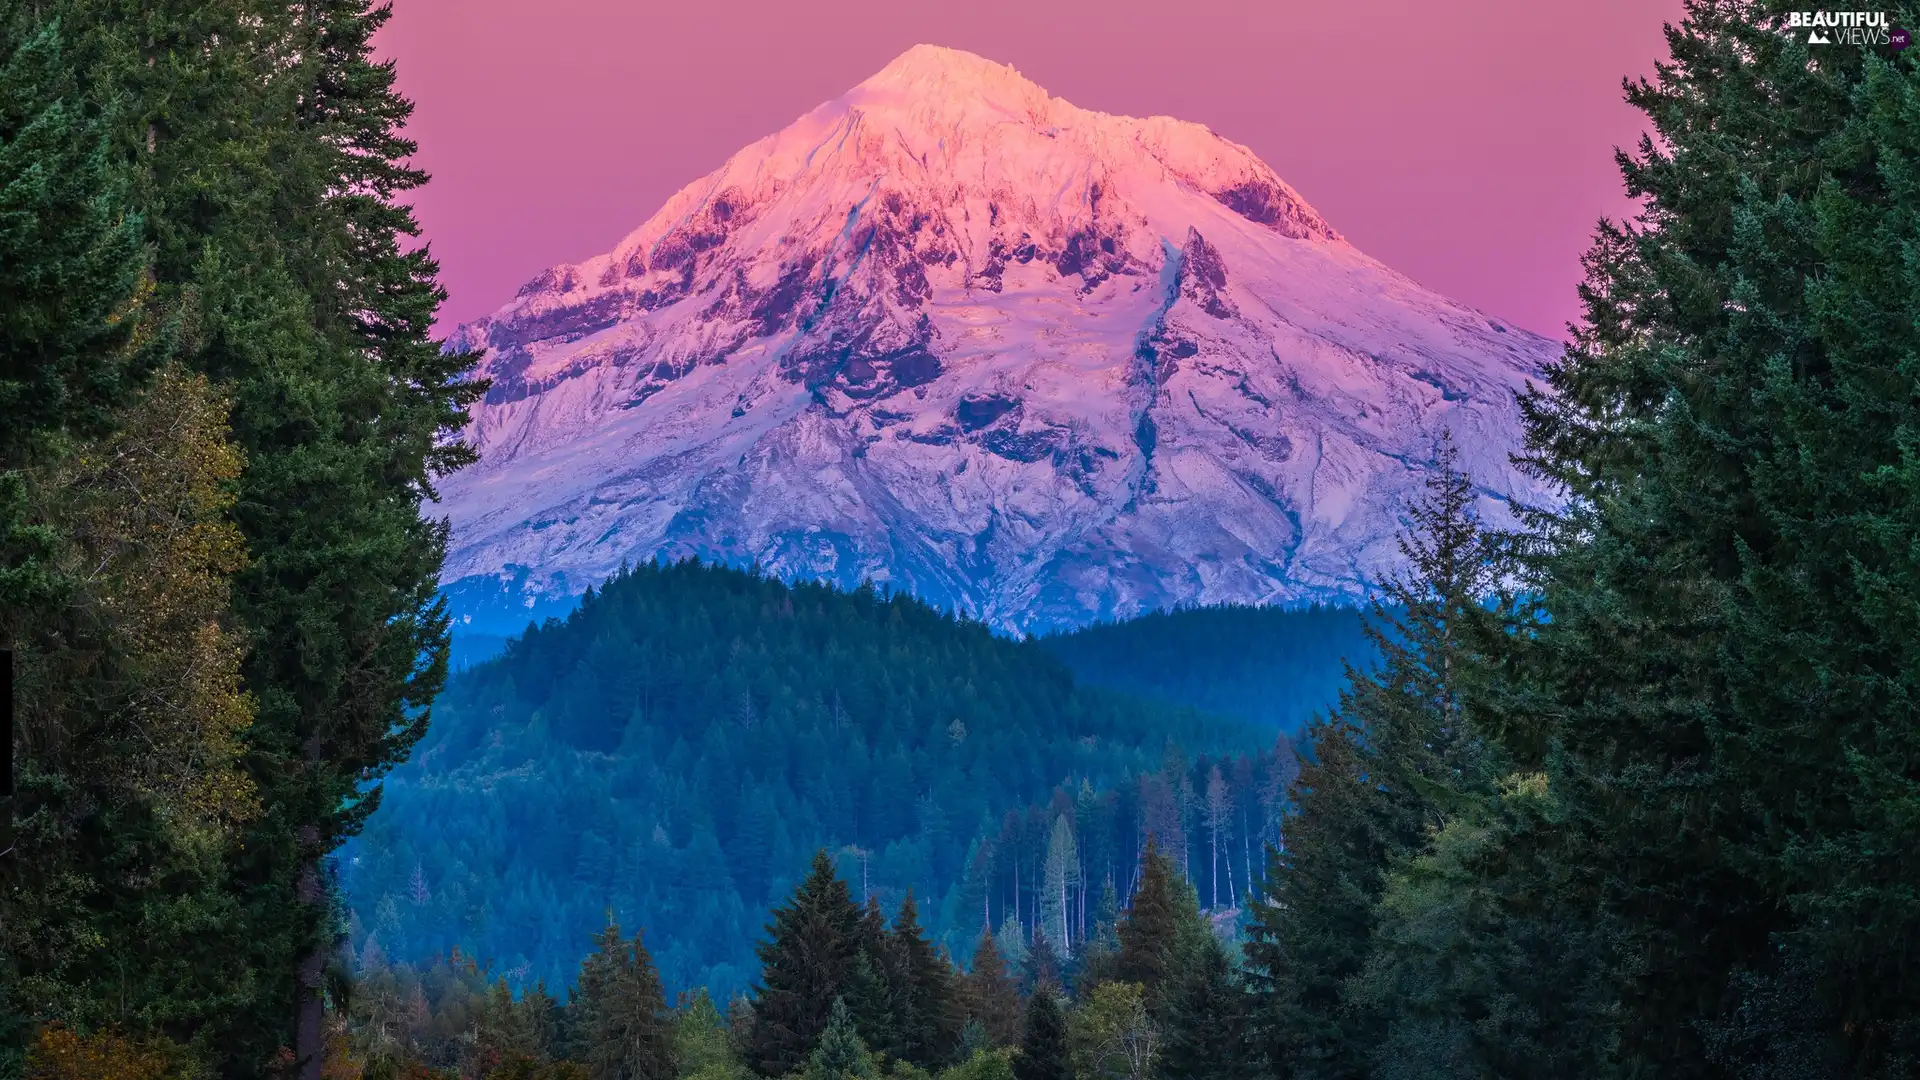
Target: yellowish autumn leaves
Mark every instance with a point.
(141, 659)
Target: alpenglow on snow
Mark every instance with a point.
(953, 335)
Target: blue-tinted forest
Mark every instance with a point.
(677, 748)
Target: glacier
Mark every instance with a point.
(947, 333)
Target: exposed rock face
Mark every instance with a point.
(1034, 363)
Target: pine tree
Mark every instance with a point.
(1150, 927)
(1043, 1040)
(1205, 1019)
(807, 962)
(840, 1054)
(1042, 967)
(1397, 759)
(1719, 693)
(991, 997)
(931, 1016)
(623, 1025)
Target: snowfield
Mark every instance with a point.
(951, 334)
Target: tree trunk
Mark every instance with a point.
(309, 1007)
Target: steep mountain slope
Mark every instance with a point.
(1033, 363)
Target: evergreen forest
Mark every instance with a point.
(679, 746)
(1628, 790)
(1272, 666)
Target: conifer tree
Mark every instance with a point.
(70, 251)
(1719, 658)
(623, 1024)
(807, 962)
(931, 1016)
(991, 997)
(1042, 966)
(840, 1054)
(1043, 1040)
(268, 172)
(877, 994)
(1149, 929)
(1205, 1019)
(1396, 759)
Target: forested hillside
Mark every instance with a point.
(1273, 666)
(678, 747)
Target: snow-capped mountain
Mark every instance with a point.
(949, 333)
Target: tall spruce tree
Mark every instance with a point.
(622, 1022)
(931, 1015)
(1723, 697)
(1205, 1014)
(807, 962)
(1395, 761)
(1043, 1039)
(266, 164)
(990, 996)
(1149, 929)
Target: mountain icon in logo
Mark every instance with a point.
(1818, 37)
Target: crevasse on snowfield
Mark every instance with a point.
(950, 333)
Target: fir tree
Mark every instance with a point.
(991, 998)
(1149, 929)
(1205, 1019)
(1719, 657)
(1043, 1039)
(807, 962)
(931, 1015)
(623, 1023)
(1398, 757)
(840, 1054)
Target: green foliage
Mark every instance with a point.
(701, 1042)
(807, 963)
(1204, 1013)
(680, 746)
(1044, 1053)
(1723, 698)
(840, 1055)
(214, 184)
(623, 1031)
(1276, 667)
(71, 257)
(986, 1064)
(1114, 1035)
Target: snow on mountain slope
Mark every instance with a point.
(946, 332)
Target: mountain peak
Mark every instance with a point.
(922, 61)
(934, 78)
(1033, 362)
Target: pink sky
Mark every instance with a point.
(1467, 144)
